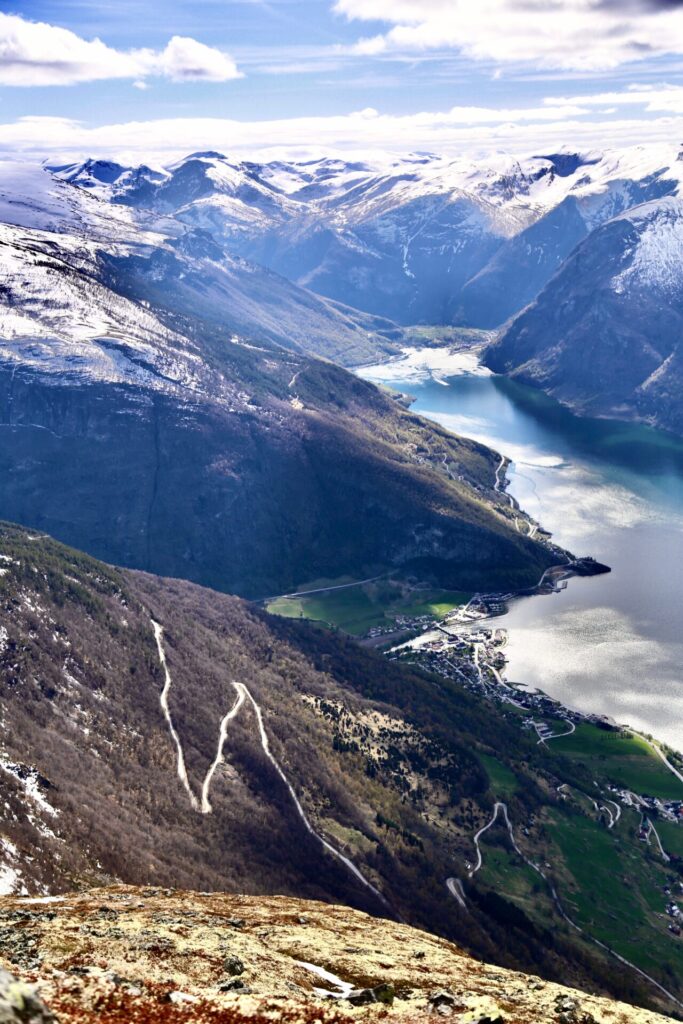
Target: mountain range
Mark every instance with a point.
(426, 239)
(421, 239)
(176, 401)
(141, 420)
(604, 334)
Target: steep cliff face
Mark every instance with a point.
(604, 335)
(253, 494)
(145, 955)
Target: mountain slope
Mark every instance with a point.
(604, 335)
(182, 268)
(237, 959)
(138, 424)
(157, 733)
(523, 265)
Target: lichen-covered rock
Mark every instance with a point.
(233, 966)
(366, 996)
(171, 957)
(19, 1003)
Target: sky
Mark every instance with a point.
(156, 79)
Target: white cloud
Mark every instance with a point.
(467, 131)
(186, 60)
(653, 99)
(568, 34)
(35, 53)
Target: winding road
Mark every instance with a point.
(653, 832)
(163, 700)
(243, 695)
(222, 736)
(302, 814)
(660, 754)
(454, 886)
(543, 738)
(499, 806)
(499, 485)
(617, 813)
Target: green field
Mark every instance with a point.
(504, 782)
(357, 609)
(612, 887)
(671, 835)
(350, 610)
(440, 336)
(620, 757)
(509, 876)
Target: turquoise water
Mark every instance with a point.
(611, 644)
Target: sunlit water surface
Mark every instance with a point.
(611, 644)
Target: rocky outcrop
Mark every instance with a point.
(19, 1003)
(147, 955)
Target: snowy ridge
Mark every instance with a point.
(401, 238)
(526, 187)
(60, 320)
(91, 254)
(657, 257)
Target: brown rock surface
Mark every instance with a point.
(143, 955)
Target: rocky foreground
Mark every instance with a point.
(149, 955)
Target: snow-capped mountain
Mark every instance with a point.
(416, 239)
(159, 407)
(108, 178)
(106, 244)
(605, 333)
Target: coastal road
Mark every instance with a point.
(499, 484)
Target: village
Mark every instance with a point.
(474, 656)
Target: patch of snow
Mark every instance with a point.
(43, 899)
(341, 989)
(29, 779)
(10, 874)
(658, 255)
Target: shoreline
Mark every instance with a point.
(493, 606)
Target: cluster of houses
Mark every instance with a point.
(668, 810)
(674, 912)
(401, 622)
